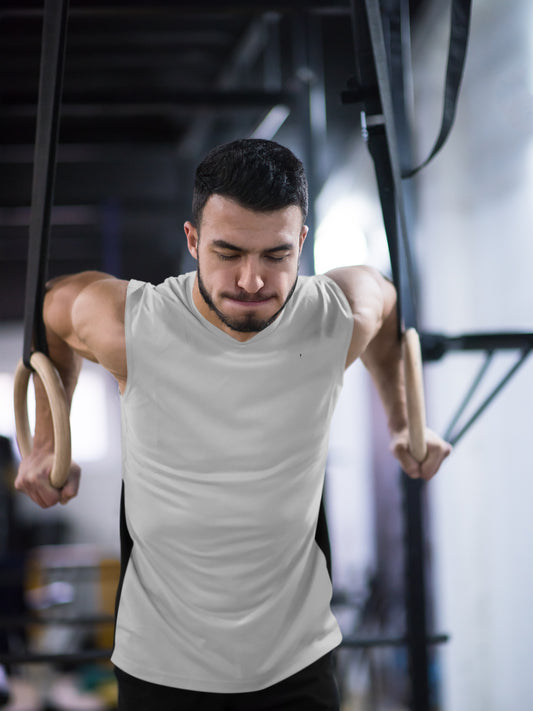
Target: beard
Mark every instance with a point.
(249, 323)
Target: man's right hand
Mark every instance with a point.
(33, 479)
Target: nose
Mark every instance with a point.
(249, 277)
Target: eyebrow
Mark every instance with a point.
(222, 244)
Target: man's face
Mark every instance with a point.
(247, 264)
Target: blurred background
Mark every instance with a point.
(149, 88)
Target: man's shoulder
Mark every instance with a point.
(325, 288)
(319, 297)
(171, 288)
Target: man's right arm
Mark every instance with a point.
(84, 318)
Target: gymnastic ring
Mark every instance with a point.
(414, 387)
(57, 400)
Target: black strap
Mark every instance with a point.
(374, 89)
(50, 87)
(459, 30)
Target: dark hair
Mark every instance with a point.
(258, 174)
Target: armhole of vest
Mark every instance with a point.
(341, 296)
(322, 538)
(133, 294)
(126, 546)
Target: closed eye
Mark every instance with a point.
(269, 257)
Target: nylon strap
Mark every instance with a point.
(54, 37)
(459, 30)
(460, 23)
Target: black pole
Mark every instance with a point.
(379, 86)
(415, 564)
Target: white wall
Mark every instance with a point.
(95, 419)
(476, 253)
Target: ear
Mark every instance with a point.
(191, 234)
(303, 235)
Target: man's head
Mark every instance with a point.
(260, 175)
(247, 234)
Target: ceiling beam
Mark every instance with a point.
(140, 101)
(185, 7)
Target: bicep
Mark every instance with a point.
(86, 311)
(98, 321)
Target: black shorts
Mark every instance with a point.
(312, 689)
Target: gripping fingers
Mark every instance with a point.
(70, 489)
(408, 463)
(437, 451)
(38, 488)
(33, 479)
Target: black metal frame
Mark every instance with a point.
(435, 346)
(378, 89)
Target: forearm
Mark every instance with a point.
(383, 360)
(56, 315)
(68, 364)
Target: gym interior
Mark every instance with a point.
(148, 89)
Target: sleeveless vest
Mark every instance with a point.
(224, 447)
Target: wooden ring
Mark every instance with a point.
(414, 387)
(57, 401)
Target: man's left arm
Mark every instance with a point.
(372, 299)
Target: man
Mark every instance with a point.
(228, 380)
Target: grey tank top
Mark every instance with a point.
(224, 448)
